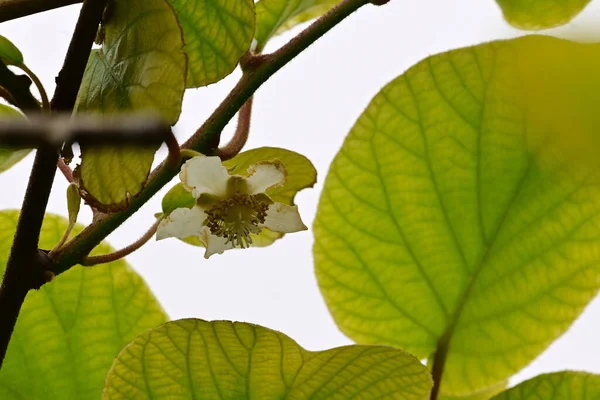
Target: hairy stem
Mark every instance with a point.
(124, 252)
(205, 140)
(11, 9)
(240, 137)
(65, 169)
(25, 269)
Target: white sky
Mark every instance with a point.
(308, 107)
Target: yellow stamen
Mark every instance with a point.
(237, 217)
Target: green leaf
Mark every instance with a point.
(9, 156)
(69, 332)
(540, 14)
(217, 33)
(141, 67)
(484, 394)
(558, 385)
(9, 53)
(301, 174)
(462, 211)
(277, 16)
(195, 359)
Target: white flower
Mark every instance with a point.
(229, 208)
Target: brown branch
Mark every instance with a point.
(65, 169)
(205, 140)
(11, 9)
(124, 252)
(27, 266)
(240, 137)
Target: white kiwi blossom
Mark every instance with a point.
(229, 208)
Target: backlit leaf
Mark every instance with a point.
(567, 385)
(463, 210)
(276, 16)
(10, 156)
(540, 14)
(195, 359)
(217, 33)
(9, 53)
(69, 332)
(141, 67)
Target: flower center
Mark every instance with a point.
(236, 218)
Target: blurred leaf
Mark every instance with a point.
(195, 359)
(301, 174)
(10, 156)
(217, 33)
(9, 53)
(277, 16)
(568, 385)
(540, 14)
(69, 332)
(463, 210)
(141, 67)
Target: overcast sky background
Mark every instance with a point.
(307, 107)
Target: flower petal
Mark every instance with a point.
(202, 175)
(265, 175)
(284, 219)
(182, 223)
(214, 244)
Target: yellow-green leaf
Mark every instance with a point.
(276, 16)
(217, 33)
(569, 385)
(301, 174)
(484, 394)
(10, 156)
(540, 14)
(195, 359)
(141, 67)
(69, 332)
(9, 53)
(462, 213)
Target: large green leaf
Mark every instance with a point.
(141, 67)
(10, 156)
(217, 33)
(195, 359)
(301, 174)
(556, 386)
(69, 332)
(276, 16)
(462, 214)
(540, 14)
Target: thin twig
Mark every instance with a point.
(38, 85)
(205, 140)
(240, 137)
(65, 169)
(124, 252)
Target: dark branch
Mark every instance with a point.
(26, 268)
(11, 9)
